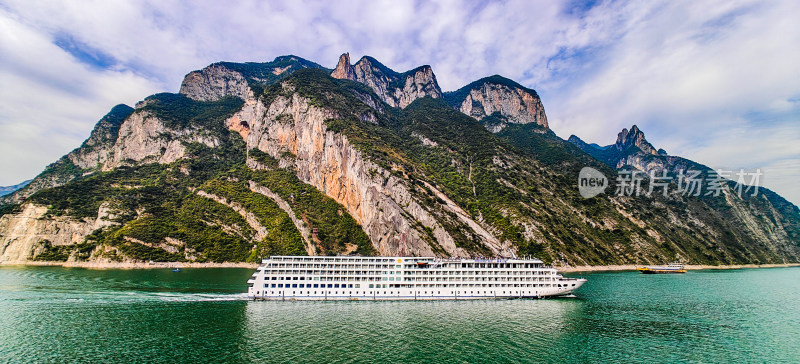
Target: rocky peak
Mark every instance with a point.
(396, 89)
(213, 83)
(234, 79)
(418, 83)
(502, 98)
(344, 70)
(634, 138)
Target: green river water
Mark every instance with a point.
(54, 314)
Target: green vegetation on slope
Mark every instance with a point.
(159, 215)
(179, 112)
(335, 226)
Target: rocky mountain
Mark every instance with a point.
(236, 79)
(497, 101)
(627, 140)
(633, 150)
(395, 89)
(287, 157)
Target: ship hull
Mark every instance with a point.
(420, 295)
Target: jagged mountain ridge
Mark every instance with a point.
(633, 150)
(396, 89)
(422, 179)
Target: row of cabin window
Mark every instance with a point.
(407, 279)
(410, 273)
(325, 259)
(345, 266)
(408, 266)
(309, 285)
(364, 293)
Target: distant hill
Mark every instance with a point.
(4, 190)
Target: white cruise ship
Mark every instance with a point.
(405, 278)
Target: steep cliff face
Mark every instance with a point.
(380, 202)
(418, 83)
(142, 137)
(95, 150)
(396, 89)
(498, 101)
(127, 136)
(758, 215)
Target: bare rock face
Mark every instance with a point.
(418, 83)
(344, 70)
(380, 202)
(22, 232)
(396, 89)
(144, 138)
(213, 83)
(635, 138)
(139, 138)
(514, 103)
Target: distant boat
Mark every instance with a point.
(670, 268)
(176, 270)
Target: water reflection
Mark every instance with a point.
(480, 330)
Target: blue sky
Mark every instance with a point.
(715, 81)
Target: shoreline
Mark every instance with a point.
(173, 265)
(630, 267)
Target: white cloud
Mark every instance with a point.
(50, 102)
(686, 72)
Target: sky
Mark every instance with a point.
(717, 82)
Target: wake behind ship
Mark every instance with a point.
(405, 278)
